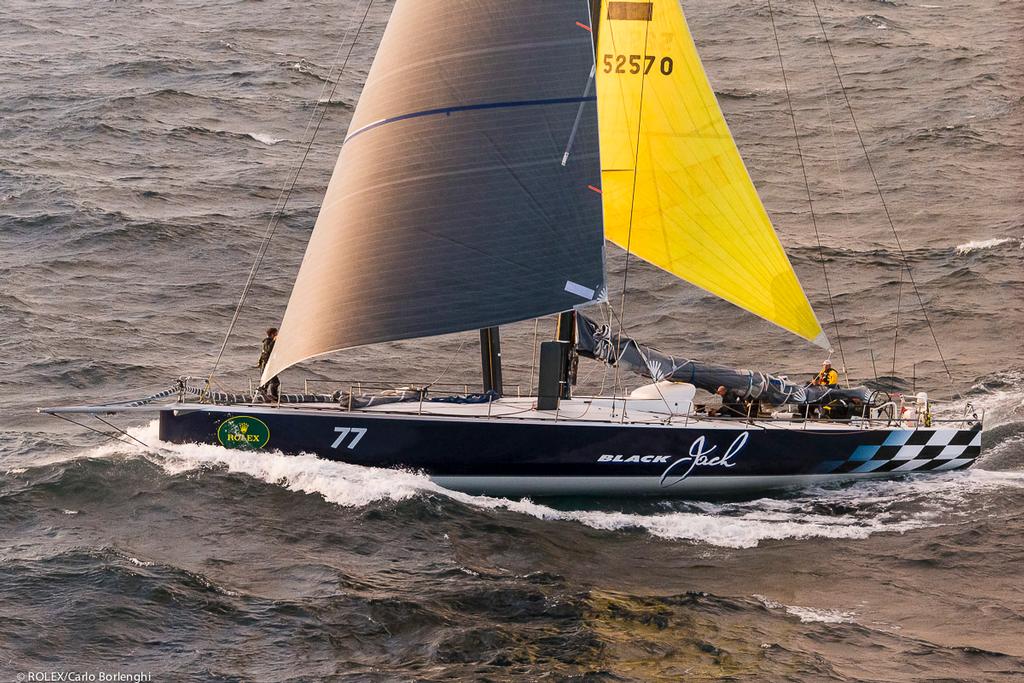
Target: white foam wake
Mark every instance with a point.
(263, 138)
(809, 614)
(981, 245)
(868, 507)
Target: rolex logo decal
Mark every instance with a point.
(243, 431)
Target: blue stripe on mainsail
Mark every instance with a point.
(471, 107)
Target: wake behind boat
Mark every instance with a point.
(491, 153)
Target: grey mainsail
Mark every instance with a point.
(596, 341)
(451, 207)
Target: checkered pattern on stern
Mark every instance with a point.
(909, 450)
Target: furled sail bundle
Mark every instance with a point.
(676, 191)
(465, 195)
(597, 341)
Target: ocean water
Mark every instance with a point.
(143, 148)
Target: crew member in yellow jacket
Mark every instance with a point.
(827, 377)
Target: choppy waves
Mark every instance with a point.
(374, 557)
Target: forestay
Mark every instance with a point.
(676, 191)
(450, 207)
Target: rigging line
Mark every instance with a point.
(632, 205)
(643, 356)
(593, 369)
(110, 437)
(871, 351)
(835, 150)
(607, 308)
(118, 429)
(286, 194)
(896, 333)
(839, 175)
(807, 186)
(878, 188)
(451, 360)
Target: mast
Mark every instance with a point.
(490, 359)
(566, 332)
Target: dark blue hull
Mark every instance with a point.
(537, 457)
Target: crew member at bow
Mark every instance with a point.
(271, 390)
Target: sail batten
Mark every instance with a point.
(450, 207)
(469, 107)
(677, 193)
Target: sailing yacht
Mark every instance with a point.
(495, 147)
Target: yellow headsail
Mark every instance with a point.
(676, 192)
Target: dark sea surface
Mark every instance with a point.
(143, 148)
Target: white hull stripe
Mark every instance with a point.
(561, 486)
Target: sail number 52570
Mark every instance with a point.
(634, 64)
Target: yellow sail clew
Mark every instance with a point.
(676, 192)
